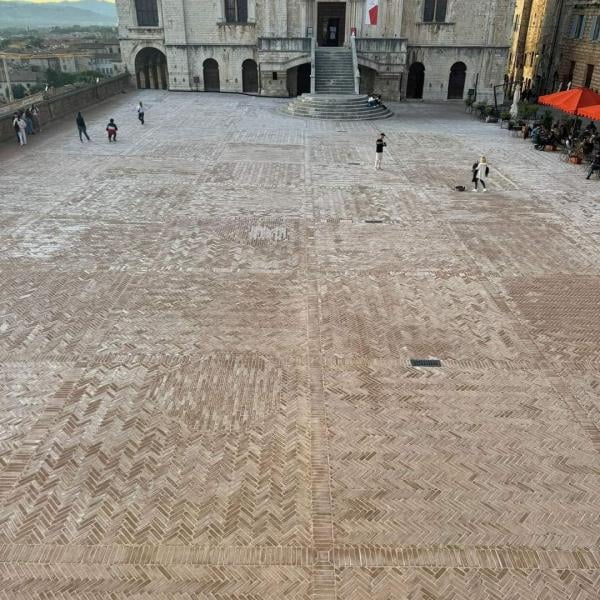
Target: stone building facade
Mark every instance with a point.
(580, 44)
(534, 56)
(431, 49)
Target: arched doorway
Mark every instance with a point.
(210, 69)
(456, 83)
(249, 77)
(151, 69)
(415, 81)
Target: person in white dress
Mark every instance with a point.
(481, 170)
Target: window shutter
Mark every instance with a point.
(594, 26)
(440, 10)
(582, 27)
(428, 10)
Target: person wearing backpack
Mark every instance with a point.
(480, 170)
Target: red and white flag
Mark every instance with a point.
(372, 7)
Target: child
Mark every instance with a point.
(112, 130)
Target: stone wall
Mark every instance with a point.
(583, 51)
(59, 104)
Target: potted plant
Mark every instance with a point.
(505, 116)
(480, 108)
(491, 115)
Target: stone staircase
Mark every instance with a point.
(334, 73)
(341, 107)
(334, 96)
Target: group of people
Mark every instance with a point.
(111, 127)
(480, 169)
(585, 142)
(374, 100)
(26, 122)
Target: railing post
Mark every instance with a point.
(313, 51)
(355, 65)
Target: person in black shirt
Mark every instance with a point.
(379, 145)
(81, 127)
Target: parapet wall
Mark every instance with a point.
(57, 104)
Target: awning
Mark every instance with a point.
(571, 101)
(591, 112)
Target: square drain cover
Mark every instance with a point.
(425, 362)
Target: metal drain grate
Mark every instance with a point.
(374, 221)
(425, 362)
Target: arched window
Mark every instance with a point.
(236, 11)
(147, 13)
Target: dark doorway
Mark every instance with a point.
(304, 79)
(249, 77)
(456, 83)
(589, 74)
(415, 81)
(151, 69)
(210, 70)
(331, 23)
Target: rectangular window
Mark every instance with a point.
(236, 11)
(571, 71)
(595, 29)
(147, 13)
(434, 11)
(589, 73)
(577, 26)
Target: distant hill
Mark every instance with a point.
(84, 12)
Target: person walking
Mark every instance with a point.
(15, 124)
(112, 129)
(140, 112)
(81, 127)
(29, 121)
(35, 115)
(22, 130)
(379, 145)
(481, 170)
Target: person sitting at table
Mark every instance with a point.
(595, 166)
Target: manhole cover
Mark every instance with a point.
(425, 362)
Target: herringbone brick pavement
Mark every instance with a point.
(205, 344)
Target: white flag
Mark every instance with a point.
(372, 8)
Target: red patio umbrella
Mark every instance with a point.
(571, 101)
(591, 112)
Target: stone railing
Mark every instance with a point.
(146, 33)
(274, 44)
(64, 102)
(355, 65)
(380, 45)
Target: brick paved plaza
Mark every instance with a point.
(205, 387)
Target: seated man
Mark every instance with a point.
(371, 100)
(595, 166)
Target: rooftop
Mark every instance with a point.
(205, 345)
